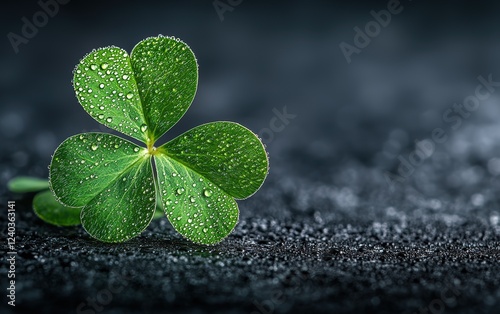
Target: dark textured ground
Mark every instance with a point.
(302, 245)
(326, 233)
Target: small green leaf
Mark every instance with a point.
(50, 210)
(27, 184)
(166, 73)
(226, 153)
(85, 164)
(143, 95)
(105, 87)
(197, 208)
(112, 180)
(202, 171)
(125, 208)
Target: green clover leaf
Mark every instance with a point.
(45, 205)
(195, 177)
(47, 208)
(27, 184)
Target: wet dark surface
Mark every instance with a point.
(336, 250)
(327, 232)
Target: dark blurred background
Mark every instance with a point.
(354, 121)
(259, 55)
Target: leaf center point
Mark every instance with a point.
(152, 150)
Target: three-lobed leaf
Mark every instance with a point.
(198, 174)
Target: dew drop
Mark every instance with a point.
(144, 128)
(190, 220)
(192, 199)
(136, 149)
(104, 66)
(130, 95)
(109, 119)
(94, 147)
(101, 116)
(101, 85)
(180, 191)
(207, 193)
(125, 76)
(93, 67)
